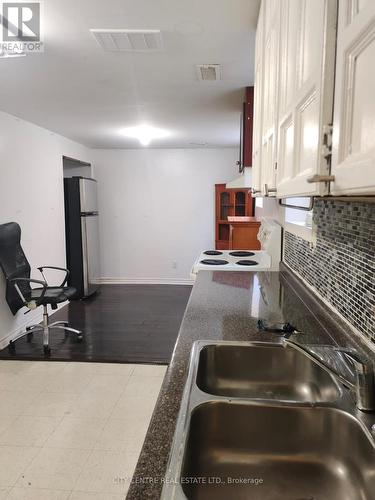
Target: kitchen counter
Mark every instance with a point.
(226, 306)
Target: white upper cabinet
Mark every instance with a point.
(353, 160)
(269, 127)
(265, 98)
(314, 116)
(305, 100)
(258, 99)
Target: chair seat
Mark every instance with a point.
(53, 295)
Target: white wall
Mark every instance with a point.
(157, 208)
(31, 193)
(74, 168)
(77, 171)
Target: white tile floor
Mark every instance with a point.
(72, 431)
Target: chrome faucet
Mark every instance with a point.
(364, 386)
(365, 383)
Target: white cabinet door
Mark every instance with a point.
(270, 96)
(258, 100)
(307, 45)
(353, 161)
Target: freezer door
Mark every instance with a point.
(88, 195)
(91, 255)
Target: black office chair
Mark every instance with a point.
(19, 293)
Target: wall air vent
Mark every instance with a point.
(118, 40)
(209, 72)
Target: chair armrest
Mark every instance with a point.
(29, 280)
(59, 269)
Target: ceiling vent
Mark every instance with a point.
(209, 72)
(116, 40)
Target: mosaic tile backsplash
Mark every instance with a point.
(342, 264)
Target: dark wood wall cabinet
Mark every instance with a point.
(229, 234)
(247, 128)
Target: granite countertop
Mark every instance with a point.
(226, 306)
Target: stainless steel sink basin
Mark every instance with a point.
(298, 453)
(261, 421)
(263, 372)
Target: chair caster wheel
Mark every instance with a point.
(46, 350)
(12, 347)
(79, 338)
(29, 336)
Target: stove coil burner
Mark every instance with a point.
(247, 262)
(214, 262)
(212, 252)
(241, 253)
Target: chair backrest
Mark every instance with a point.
(13, 263)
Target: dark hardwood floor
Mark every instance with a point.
(121, 323)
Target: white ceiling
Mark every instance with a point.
(78, 90)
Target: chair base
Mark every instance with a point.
(45, 328)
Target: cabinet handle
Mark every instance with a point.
(255, 191)
(269, 190)
(320, 178)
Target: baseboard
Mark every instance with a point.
(145, 281)
(34, 317)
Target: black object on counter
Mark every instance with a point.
(283, 328)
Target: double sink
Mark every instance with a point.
(263, 421)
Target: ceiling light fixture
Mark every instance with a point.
(145, 133)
